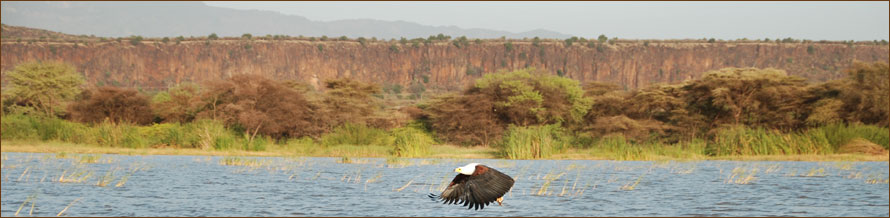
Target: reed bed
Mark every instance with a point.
(533, 142)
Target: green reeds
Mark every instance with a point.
(120, 135)
(411, 142)
(840, 134)
(171, 134)
(533, 142)
(740, 140)
(212, 134)
(354, 134)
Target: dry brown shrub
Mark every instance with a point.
(639, 130)
(859, 145)
(350, 101)
(112, 103)
(466, 119)
(260, 105)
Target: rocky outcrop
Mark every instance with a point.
(633, 64)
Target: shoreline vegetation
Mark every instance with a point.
(441, 152)
(727, 114)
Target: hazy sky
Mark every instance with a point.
(633, 20)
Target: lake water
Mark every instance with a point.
(37, 184)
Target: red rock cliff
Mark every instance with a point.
(154, 65)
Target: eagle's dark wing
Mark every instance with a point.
(478, 190)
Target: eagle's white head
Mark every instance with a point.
(467, 170)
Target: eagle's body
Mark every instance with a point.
(476, 186)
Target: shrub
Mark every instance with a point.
(213, 36)
(136, 40)
(43, 86)
(112, 103)
(254, 105)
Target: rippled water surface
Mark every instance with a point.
(45, 184)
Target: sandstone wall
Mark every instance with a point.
(154, 65)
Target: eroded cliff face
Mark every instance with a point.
(155, 65)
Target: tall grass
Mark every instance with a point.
(120, 135)
(840, 134)
(212, 134)
(171, 134)
(354, 134)
(740, 140)
(25, 127)
(411, 142)
(533, 142)
(199, 134)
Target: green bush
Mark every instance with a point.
(353, 134)
(533, 142)
(411, 142)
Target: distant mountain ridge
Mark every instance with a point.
(159, 19)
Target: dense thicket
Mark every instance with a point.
(257, 105)
(113, 104)
(523, 98)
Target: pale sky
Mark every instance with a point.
(631, 20)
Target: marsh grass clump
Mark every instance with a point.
(411, 142)
(241, 161)
(840, 134)
(76, 175)
(533, 142)
(548, 179)
(212, 134)
(108, 178)
(354, 134)
(632, 186)
(119, 135)
(740, 140)
(90, 158)
(170, 134)
(741, 175)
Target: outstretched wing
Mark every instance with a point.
(486, 185)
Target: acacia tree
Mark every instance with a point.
(257, 105)
(862, 97)
(748, 96)
(44, 86)
(177, 103)
(112, 103)
(524, 97)
(349, 101)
